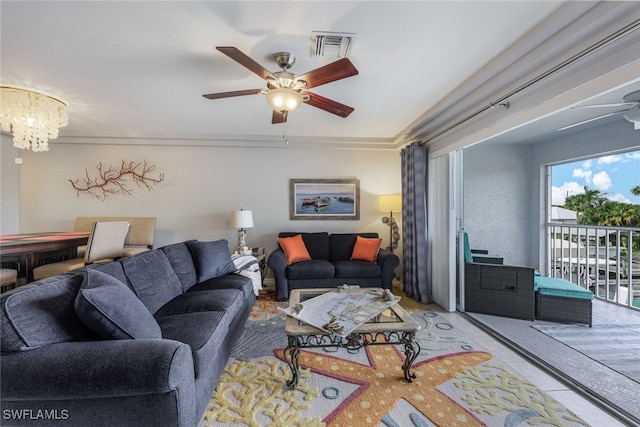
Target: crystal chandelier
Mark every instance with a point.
(33, 117)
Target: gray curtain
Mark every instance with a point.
(414, 222)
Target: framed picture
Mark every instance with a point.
(324, 199)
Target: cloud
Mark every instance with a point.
(633, 156)
(617, 197)
(559, 194)
(587, 164)
(602, 181)
(607, 160)
(582, 173)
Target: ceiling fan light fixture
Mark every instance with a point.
(634, 117)
(284, 99)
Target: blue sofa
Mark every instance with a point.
(330, 264)
(140, 341)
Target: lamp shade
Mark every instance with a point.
(390, 203)
(242, 219)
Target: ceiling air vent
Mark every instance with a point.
(326, 43)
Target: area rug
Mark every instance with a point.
(616, 346)
(457, 383)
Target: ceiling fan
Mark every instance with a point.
(631, 110)
(286, 92)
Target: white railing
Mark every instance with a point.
(605, 260)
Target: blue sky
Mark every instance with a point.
(613, 175)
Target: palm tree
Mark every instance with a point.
(636, 190)
(587, 205)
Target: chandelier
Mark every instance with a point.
(33, 117)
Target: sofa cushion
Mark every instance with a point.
(179, 255)
(357, 268)
(152, 278)
(317, 244)
(556, 287)
(230, 300)
(312, 269)
(112, 269)
(42, 313)
(341, 244)
(366, 249)
(110, 309)
(294, 248)
(212, 259)
(229, 281)
(205, 342)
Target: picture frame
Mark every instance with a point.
(324, 199)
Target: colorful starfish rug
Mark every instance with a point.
(457, 383)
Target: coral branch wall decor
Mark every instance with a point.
(113, 180)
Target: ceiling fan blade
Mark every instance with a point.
(232, 94)
(245, 61)
(337, 70)
(328, 105)
(591, 120)
(278, 117)
(619, 104)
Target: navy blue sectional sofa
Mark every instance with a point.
(331, 264)
(140, 341)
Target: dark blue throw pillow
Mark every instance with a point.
(110, 309)
(212, 259)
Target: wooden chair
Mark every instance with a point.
(106, 243)
(8, 279)
(141, 232)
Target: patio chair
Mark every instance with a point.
(106, 243)
(496, 289)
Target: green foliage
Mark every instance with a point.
(594, 208)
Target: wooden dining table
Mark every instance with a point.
(29, 247)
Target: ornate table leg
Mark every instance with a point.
(411, 351)
(292, 356)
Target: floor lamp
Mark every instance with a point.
(391, 203)
(241, 219)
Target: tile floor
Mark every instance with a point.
(559, 391)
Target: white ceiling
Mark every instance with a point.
(139, 69)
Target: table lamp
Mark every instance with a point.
(241, 220)
(390, 203)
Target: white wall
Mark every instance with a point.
(9, 186)
(497, 201)
(202, 186)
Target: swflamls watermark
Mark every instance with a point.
(35, 414)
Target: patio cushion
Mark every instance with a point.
(553, 286)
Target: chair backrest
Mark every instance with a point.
(141, 228)
(106, 240)
(468, 257)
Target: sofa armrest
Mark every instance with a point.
(388, 261)
(98, 369)
(278, 264)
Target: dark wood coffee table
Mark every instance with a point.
(394, 326)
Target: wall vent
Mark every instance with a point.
(326, 43)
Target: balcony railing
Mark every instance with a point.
(605, 260)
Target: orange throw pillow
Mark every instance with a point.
(366, 249)
(294, 248)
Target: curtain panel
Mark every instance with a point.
(414, 222)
